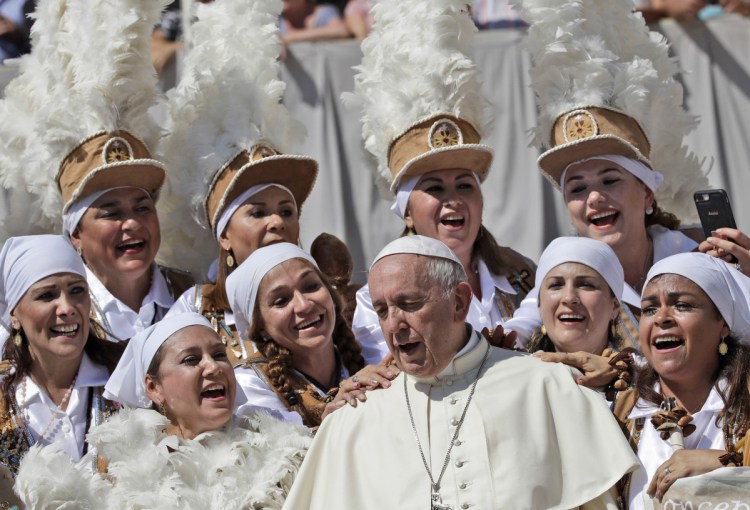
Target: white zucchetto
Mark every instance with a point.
(25, 260)
(242, 285)
(417, 245)
(728, 288)
(597, 255)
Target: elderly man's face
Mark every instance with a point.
(423, 329)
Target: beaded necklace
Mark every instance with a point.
(56, 412)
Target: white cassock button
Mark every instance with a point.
(459, 463)
(453, 401)
(449, 382)
(454, 422)
(465, 505)
(462, 486)
(65, 428)
(458, 442)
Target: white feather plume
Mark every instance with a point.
(89, 70)
(229, 98)
(601, 53)
(415, 64)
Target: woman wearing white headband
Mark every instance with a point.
(54, 365)
(192, 452)
(579, 281)
(229, 135)
(610, 198)
(695, 329)
(287, 308)
(611, 129)
(89, 136)
(426, 137)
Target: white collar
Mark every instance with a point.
(488, 282)
(666, 243)
(714, 402)
(158, 293)
(468, 358)
(90, 374)
(669, 242)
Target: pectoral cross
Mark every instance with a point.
(437, 502)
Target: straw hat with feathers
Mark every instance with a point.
(599, 56)
(415, 72)
(89, 73)
(227, 128)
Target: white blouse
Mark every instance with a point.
(483, 313)
(260, 395)
(69, 426)
(119, 319)
(653, 450)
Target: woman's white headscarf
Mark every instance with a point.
(724, 285)
(242, 285)
(27, 259)
(127, 384)
(595, 254)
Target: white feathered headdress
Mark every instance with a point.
(419, 91)
(227, 128)
(599, 53)
(89, 73)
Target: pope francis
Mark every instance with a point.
(465, 425)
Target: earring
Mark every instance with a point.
(230, 260)
(17, 338)
(650, 210)
(543, 330)
(723, 347)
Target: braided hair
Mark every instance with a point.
(280, 363)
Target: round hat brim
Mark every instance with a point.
(474, 157)
(298, 173)
(554, 162)
(148, 174)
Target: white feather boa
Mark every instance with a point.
(250, 465)
(601, 53)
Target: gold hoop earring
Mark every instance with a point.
(723, 347)
(230, 260)
(17, 338)
(543, 330)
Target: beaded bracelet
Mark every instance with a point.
(731, 458)
(622, 362)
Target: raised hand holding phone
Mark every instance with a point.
(723, 239)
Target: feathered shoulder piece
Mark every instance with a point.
(89, 74)
(225, 116)
(416, 78)
(599, 73)
(250, 463)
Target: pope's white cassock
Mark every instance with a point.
(532, 438)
